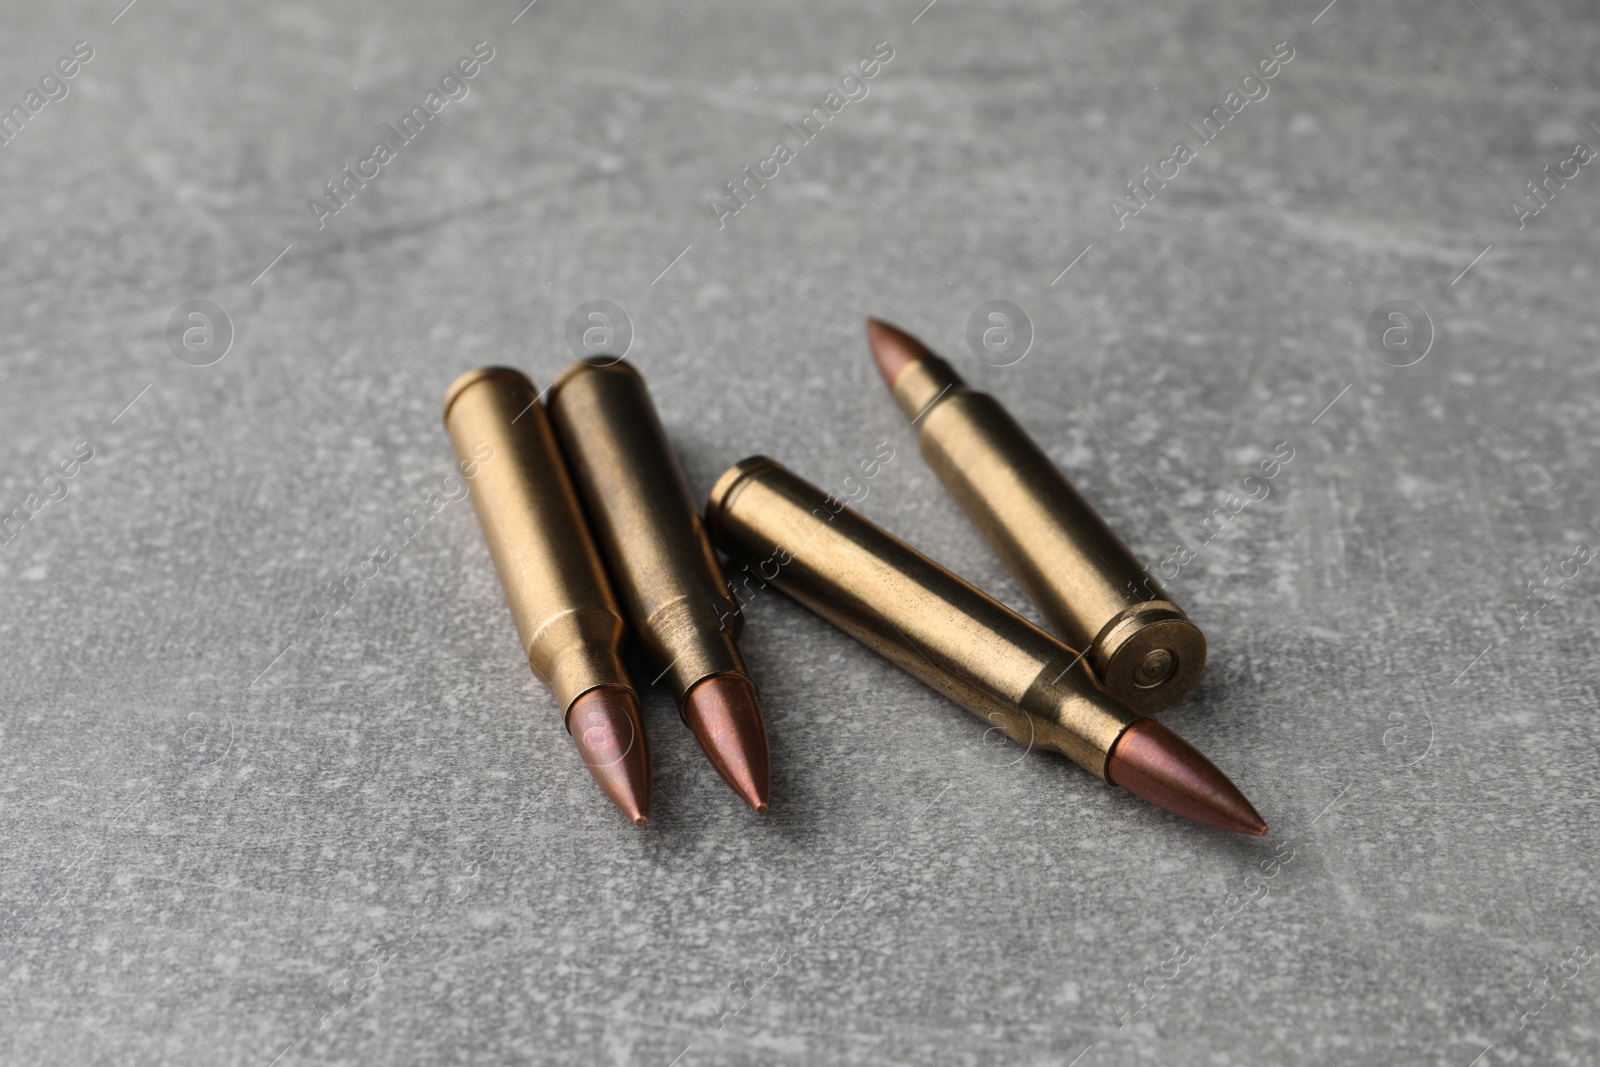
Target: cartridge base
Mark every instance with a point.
(1149, 655)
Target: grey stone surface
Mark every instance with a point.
(220, 811)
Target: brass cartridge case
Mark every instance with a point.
(662, 564)
(909, 609)
(569, 621)
(1141, 646)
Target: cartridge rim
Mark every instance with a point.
(480, 374)
(1149, 656)
(729, 483)
(588, 363)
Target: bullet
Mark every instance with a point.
(661, 562)
(1094, 593)
(555, 585)
(958, 640)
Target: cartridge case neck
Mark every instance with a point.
(924, 383)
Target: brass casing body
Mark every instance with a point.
(1142, 647)
(909, 609)
(570, 624)
(638, 503)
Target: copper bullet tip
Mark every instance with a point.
(605, 725)
(1152, 762)
(723, 714)
(893, 349)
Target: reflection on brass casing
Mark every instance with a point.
(909, 609)
(569, 622)
(1143, 648)
(661, 562)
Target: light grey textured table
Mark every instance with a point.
(236, 833)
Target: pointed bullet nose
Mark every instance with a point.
(893, 350)
(723, 714)
(605, 725)
(1155, 764)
